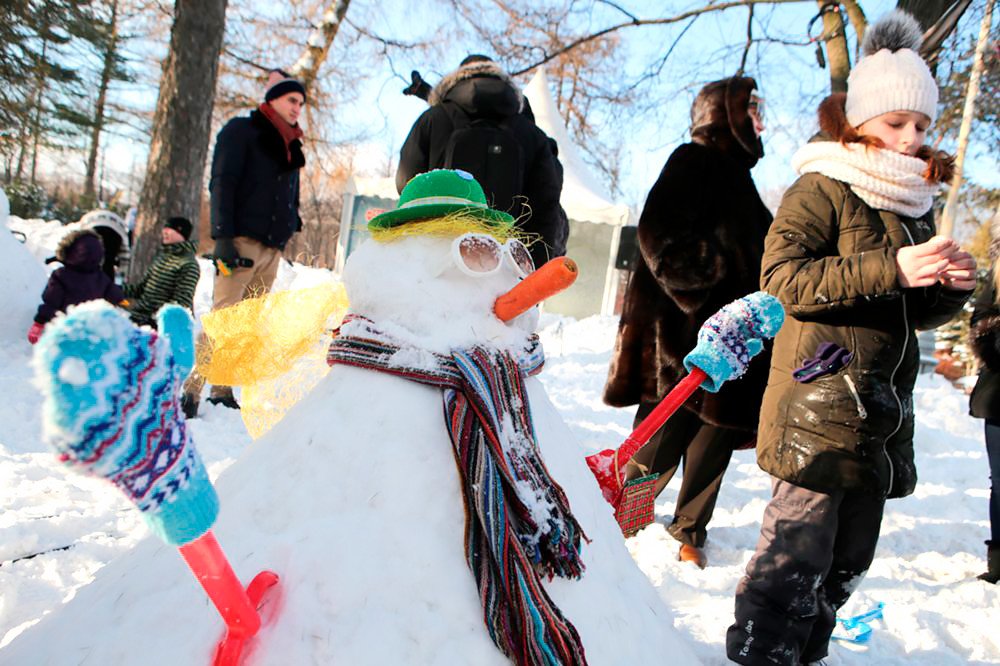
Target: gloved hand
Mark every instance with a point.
(225, 251)
(112, 410)
(35, 332)
(732, 336)
(418, 87)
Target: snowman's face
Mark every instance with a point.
(416, 289)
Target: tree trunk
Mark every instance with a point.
(838, 57)
(858, 21)
(110, 55)
(181, 126)
(29, 131)
(948, 216)
(307, 67)
(927, 12)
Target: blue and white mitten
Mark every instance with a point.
(112, 410)
(734, 335)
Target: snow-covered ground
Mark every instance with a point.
(58, 529)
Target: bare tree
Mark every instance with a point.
(109, 68)
(181, 125)
(838, 56)
(948, 216)
(306, 68)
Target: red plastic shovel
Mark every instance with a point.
(237, 606)
(609, 465)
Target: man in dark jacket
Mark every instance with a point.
(255, 203)
(701, 238)
(171, 278)
(478, 104)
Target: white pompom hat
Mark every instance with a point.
(891, 76)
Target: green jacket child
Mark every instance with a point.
(171, 278)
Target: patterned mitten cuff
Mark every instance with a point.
(111, 410)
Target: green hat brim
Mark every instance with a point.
(392, 218)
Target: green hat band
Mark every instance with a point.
(426, 201)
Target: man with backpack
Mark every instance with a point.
(476, 123)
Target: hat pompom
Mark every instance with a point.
(895, 31)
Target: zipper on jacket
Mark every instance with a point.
(892, 377)
(862, 412)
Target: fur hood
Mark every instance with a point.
(834, 126)
(720, 118)
(71, 252)
(474, 70)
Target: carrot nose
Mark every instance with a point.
(548, 280)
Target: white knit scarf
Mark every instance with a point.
(883, 179)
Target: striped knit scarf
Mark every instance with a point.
(518, 523)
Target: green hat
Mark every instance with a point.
(437, 193)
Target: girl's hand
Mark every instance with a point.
(960, 273)
(921, 265)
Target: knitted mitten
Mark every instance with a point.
(111, 410)
(732, 336)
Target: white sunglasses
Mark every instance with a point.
(479, 255)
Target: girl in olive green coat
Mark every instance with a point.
(853, 258)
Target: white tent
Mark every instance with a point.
(583, 198)
(595, 222)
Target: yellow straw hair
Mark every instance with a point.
(451, 225)
(274, 346)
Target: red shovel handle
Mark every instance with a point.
(656, 418)
(607, 465)
(237, 606)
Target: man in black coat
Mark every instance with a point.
(517, 165)
(255, 204)
(701, 239)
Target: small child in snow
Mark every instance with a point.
(853, 257)
(78, 280)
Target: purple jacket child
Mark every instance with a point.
(80, 279)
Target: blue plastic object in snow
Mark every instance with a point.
(856, 629)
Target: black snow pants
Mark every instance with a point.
(814, 550)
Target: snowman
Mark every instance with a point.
(424, 504)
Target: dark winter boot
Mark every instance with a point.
(223, 395)
(992, 574)
(189, 405)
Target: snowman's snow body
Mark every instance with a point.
(355, 501)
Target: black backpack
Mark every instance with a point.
(488, 149)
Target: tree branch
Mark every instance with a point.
(245, 61)
(746, 49)
(657, 21)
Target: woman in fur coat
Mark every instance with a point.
(853, 258)
(701, 238)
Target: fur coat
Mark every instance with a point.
(701, 238)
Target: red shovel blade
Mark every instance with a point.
(231, 647)
(603, 466)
